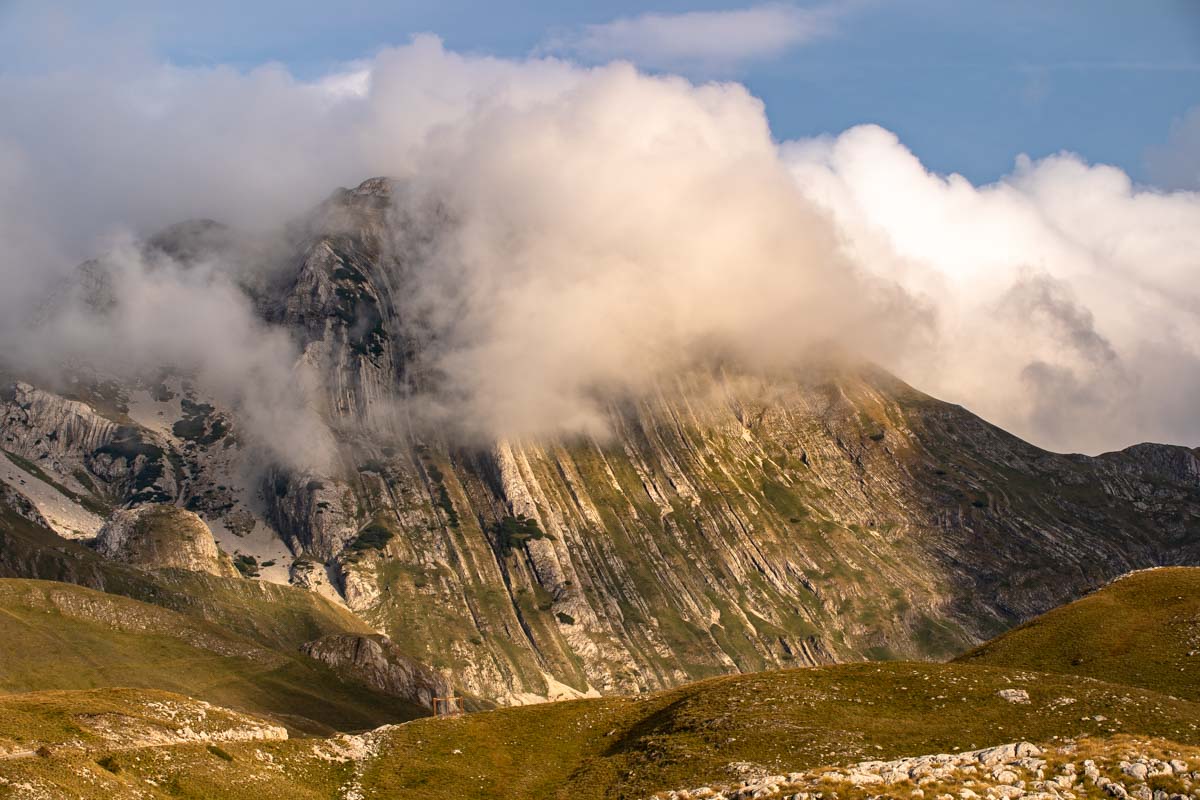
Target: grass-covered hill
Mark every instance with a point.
(84, 714)
(60, 636)
(273, 615)
(231, 641)
(710, 732)
(1142, 630)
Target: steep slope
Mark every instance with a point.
(232, 640)
(730, 522)
(59, 636)
(1142, 630)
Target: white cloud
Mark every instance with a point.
(706, 39)
(1067, 299)
(611, 228)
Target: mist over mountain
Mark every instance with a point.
(586, 231)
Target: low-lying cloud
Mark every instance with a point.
(606, 228)
(138, 311)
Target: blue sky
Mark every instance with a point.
(966, 85)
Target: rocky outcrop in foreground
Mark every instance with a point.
(1117, 768)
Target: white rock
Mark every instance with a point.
(1014, 695)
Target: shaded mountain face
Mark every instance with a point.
(731, 521)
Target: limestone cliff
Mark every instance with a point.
(376, 662)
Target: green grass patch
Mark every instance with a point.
(514, 531)
(1143, 630)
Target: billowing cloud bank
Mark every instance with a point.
(1068, 300)
(626, 229)
(609, 227)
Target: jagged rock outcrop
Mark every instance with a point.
(310, 574)
(315, 514)
(163, 537)
(378, 663)
(85, 446)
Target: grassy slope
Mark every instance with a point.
(631, 747)
(85, 765)
(305, 695)
(60, 636)
(66, 719)
(783, 720)
(1138, 631)
(280, 616)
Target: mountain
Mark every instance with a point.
(733, 521)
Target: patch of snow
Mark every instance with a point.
(158, 416)
(261, 543)
(68, 519)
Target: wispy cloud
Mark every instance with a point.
(708, 39)
(1175, 164)
(1113, 66)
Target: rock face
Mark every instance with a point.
(731, 522)
(376, 662)
(20, 505)
(162, 536)
(79, 441)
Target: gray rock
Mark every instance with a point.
(1014, 695)
(376, 662)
